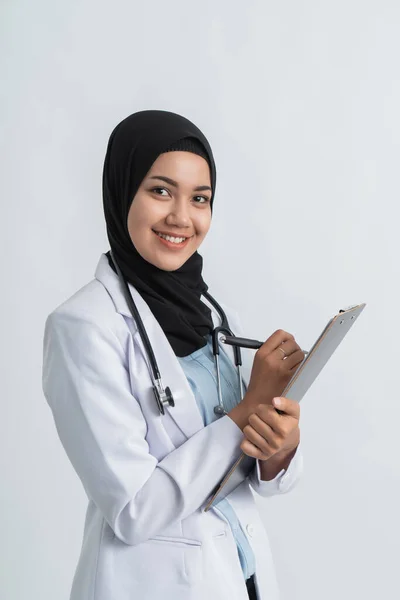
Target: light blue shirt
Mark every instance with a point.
(199, 368)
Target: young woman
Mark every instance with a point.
(148, 470)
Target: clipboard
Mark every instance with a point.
(330, 338)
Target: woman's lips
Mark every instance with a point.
(172, 245)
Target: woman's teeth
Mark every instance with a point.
(175, 240)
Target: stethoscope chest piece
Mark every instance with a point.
(163, 397)
(219, 410)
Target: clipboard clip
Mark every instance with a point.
(348, 308)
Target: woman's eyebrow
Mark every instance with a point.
(199, 188)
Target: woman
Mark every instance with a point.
(148, 475)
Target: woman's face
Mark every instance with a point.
(173, 198)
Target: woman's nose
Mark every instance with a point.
(179, 214)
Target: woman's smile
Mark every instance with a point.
(174, 245)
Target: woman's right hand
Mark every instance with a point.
(270, 374)
(272, 371)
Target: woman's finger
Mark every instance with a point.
(288, 406)
(252, 450)
(286, 349)
(295, 359)
(267, 422)
(266, 441)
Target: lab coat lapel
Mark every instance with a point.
(185, 413)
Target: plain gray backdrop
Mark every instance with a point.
(300, 102)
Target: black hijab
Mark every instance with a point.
(173, 296)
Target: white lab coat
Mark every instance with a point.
(147, 476)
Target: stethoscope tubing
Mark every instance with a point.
(226, 331)
(164, 395)
(139, 322)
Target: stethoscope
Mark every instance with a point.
(163, 395)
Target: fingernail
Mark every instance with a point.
(277, 401)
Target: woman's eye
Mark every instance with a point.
(159, 190)
(202, 198)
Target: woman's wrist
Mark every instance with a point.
(270, 468)
(241, 412)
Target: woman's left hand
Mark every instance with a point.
(269, 432)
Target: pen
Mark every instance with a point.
(243, 342)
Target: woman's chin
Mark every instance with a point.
(167, 263)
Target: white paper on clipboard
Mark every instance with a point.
(308, 371)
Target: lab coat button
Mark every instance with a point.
(250, 529)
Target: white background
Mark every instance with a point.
(300, 102)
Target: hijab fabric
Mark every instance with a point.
(172, 296)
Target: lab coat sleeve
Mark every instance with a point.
(103, 431)
(284, 481)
